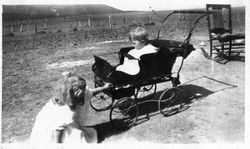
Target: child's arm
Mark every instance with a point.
(99, 89)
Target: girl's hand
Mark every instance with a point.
(108, 85)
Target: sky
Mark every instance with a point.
(145, 5)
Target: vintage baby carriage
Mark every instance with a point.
(128, 91)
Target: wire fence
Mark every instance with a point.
(85, 22)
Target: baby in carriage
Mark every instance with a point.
(129, 68)
(139, 38)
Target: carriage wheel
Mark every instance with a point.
(170, 101)
(124, 113)
(101, 102)
(146, 92)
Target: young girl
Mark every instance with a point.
(63, 118)
(139, 38)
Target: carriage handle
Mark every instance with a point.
(183, 11)
(187, 40)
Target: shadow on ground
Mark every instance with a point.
(148, 108)
(224, 58)
(106, 130)
(189, 94)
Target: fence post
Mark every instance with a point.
(62, 24)
(35, 28)
(45, 24)
(80, 25)
(110, 23)
(182, 17)
(89, 23)
(21, 28)
(11, 29)
(124, 21)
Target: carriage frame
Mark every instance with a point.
(123, 98)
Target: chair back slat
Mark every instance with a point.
(219, 19)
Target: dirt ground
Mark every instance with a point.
(214, 95)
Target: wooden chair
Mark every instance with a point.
(221, 36)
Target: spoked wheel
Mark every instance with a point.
(170, 101)
(124, 113)
(146, 92)
(101, 102)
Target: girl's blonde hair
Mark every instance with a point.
(70, 90)
(140, 34)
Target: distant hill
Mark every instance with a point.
(20, 12)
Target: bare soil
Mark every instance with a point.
(213, 92)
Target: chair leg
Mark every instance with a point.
(211, 48)
(222, 49)
(211, 52)
(230, 47)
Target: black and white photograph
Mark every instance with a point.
(108, 71)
